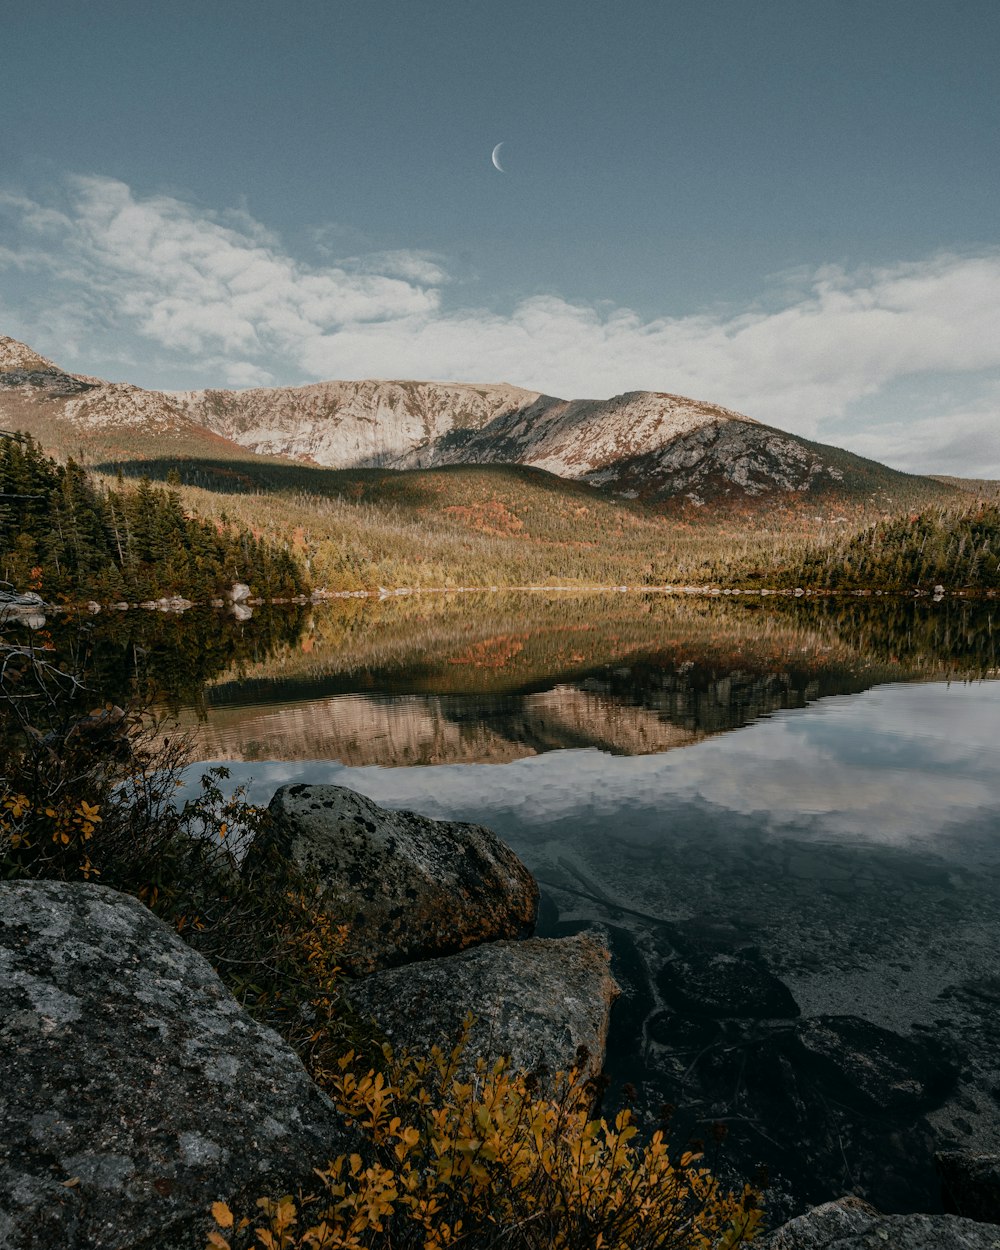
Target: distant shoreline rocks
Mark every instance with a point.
(33, 614)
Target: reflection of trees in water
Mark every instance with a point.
(609, 671)
(954, 637)
(142, 656)
(518, 643)
(438, 682)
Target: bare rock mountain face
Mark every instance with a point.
(640, 443)
(643, 444)
(69, 410)
(353, 424)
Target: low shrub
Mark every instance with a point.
(506, 1159)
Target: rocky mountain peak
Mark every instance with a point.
(18, 357)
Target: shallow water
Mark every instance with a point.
(804, 796)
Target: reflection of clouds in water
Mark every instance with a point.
(895, 765)
(890, 765)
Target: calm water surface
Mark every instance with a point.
(806, 802)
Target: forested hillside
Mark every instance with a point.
(63, 536)
(938, 547)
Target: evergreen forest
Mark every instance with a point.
(65, 537)
(956, 550)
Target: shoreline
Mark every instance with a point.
(179, 604)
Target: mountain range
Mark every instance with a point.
(652, 446)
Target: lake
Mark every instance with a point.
(782, 816)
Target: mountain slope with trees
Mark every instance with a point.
(956, 550)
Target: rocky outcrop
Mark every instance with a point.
(408, 887)
(970, 1183)
(850, 1224)
(538, 1001)
(136, 1091)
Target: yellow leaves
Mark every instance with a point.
(408, 1138)
(495, 1158)
(17, 804)
(222, 1215)
(67, 824)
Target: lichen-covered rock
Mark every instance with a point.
(537, 1001)
(135, 1090)
(849, 1224)
(408, 887)
(970, 1183)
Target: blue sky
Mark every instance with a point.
(787, 207)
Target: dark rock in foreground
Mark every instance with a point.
(536, 1001)
(136, 1091)
(970, 1183)
(850, 1224)
(723, 985)
(409, 887)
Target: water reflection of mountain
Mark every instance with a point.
(443, 679)
(626, 677)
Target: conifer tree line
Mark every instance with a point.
(63, 535)
(956, 550)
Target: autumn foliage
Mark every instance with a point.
(502, 1159)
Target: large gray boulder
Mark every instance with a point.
(537, 1001)
(850, 1224)
(408, 887)
(135, 1089)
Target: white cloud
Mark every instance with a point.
(218, 287)
(971, 446)
(423, 267)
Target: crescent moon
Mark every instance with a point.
(495, 158)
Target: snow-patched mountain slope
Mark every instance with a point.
(352, 424)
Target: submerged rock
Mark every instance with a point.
(684, 1034)
(408, 887)
(850, 1224)
(537, 1001)
(136, 1091)
(724, 986)
(872, 1068)
(970, 1183)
